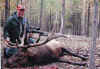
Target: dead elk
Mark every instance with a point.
(43, 52)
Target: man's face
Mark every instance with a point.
(20, 13)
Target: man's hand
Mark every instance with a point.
(6, 42)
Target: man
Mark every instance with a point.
(16, 26)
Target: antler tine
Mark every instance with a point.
(47, 40)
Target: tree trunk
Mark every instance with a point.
(7, 11)
(88, 21)
(21, 1)
(94, 35)
(62, 17)
(83, 18)
(55, 23)
(50, 24)
(98, 26)
(41, 13)
(17, 2)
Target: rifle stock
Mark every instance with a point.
(38, 31)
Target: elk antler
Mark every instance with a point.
(49, 38)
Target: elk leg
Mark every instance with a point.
(72, 63)
(65, 51)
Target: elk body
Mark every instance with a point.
(52, 51)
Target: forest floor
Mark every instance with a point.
(76, 44)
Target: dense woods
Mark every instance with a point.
(75, 14)
(70, 17)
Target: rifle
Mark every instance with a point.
(37, 30)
